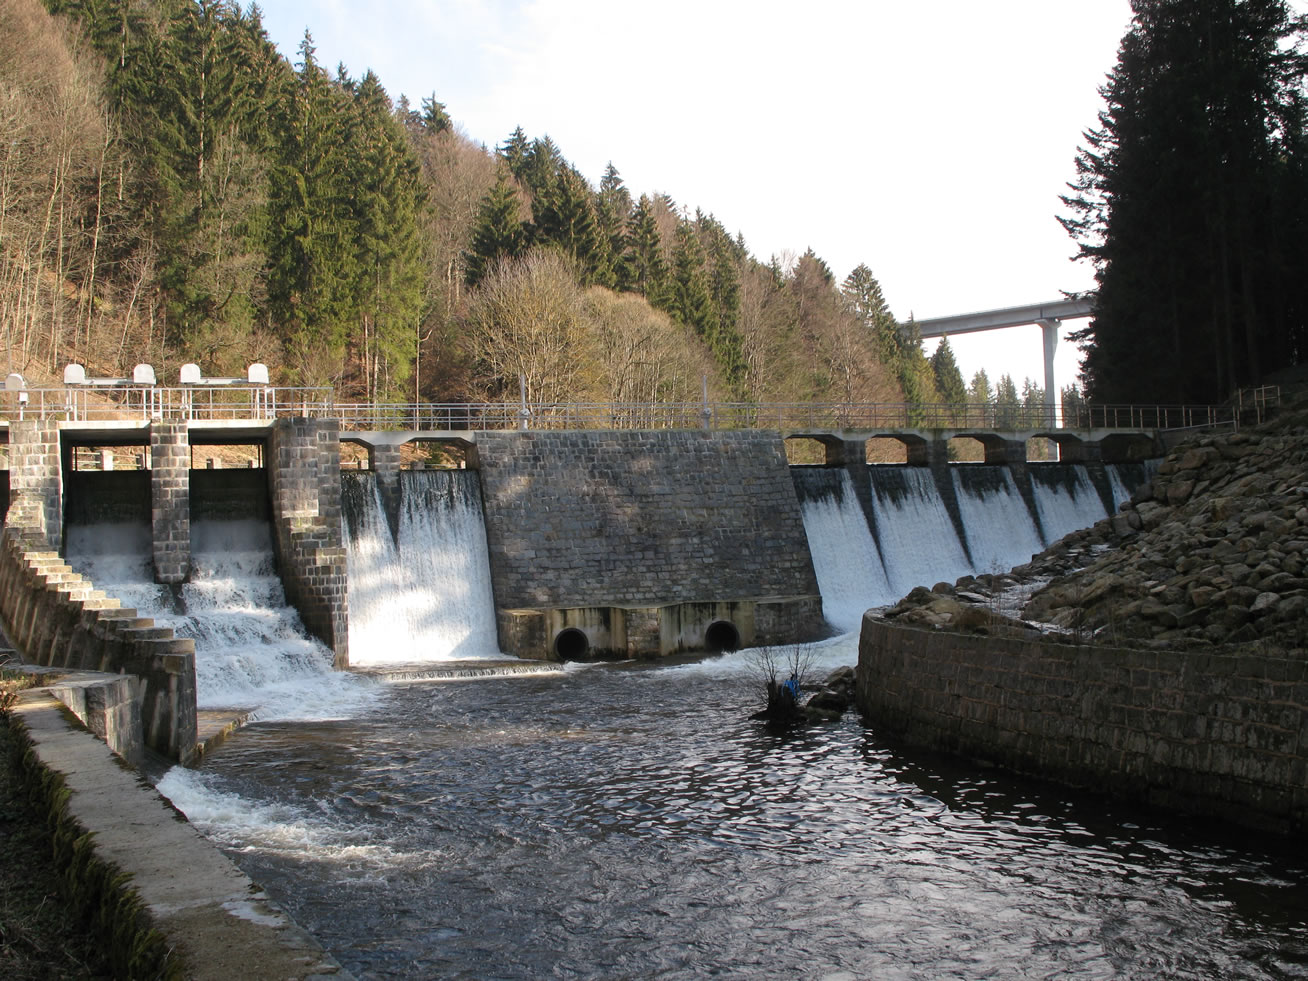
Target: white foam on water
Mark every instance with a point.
(917, 537)
(1000, 530)
(278, 828)
(850, 575)
(428, 598)
(1066, 509)
(252, 652)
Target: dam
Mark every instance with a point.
(560, 545)
(628, 819)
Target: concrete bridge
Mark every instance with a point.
(1049, 316)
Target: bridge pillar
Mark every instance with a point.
(1049, 328)
(1080, 451)
(1004, 451)
(170, 501)
(927, 452)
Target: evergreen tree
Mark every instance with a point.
(949, 380)
(612, 211)
(314, 272)
(499, 232)
(513, 152)
(1008, 406)
(644, 256)
(979, 392)
(565, 219)
(691, 303)
(386, 203)
(1189, 201)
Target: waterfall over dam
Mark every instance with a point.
(422, 590)
(877, 531)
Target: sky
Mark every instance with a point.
(928, 140)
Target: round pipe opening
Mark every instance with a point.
(571, 644)
(722, 635)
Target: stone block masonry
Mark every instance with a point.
(170, 496)
(1223, 735)
(304, 478)
(641, 520)
(35, 472)
(56, 618)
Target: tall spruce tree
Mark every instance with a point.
(499, 233)
(314, 263)
(1190, 203)
(949, 380)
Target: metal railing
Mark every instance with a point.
(138, 403)
(128, 402)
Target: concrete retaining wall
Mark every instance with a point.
(164, 902)
(54, 617)
(1213, 734)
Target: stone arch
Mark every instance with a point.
(1127, 447)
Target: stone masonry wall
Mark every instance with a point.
(170, 512)
(1207, 733)
(578, 519)
(304, 475)
(56, 618)
(35, 472)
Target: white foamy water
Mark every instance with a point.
(251, 649)
(1000, 531)
(917, 537)
(428, 596)
(273, 828)
(850, 575)
(1067, 505)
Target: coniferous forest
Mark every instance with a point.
(1191, 201)
(173, 189)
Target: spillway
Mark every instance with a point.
(421, 593)
(252, 651)
(903, 528)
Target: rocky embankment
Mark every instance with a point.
(1213, 551)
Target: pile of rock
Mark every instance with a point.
(1213, 550)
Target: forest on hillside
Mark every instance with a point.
(173, 189)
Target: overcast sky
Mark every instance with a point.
(928, 140)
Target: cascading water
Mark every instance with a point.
(845, 557)
(426, 597)
(916, 541)
(1000, 530)
(251, 650)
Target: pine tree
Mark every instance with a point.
(386, 202)
(612, 211)
(644, 256)
(1185, 202)
(313, 275)
(565, 219)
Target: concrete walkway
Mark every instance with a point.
(218, 924)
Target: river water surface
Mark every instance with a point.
(628, 821)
